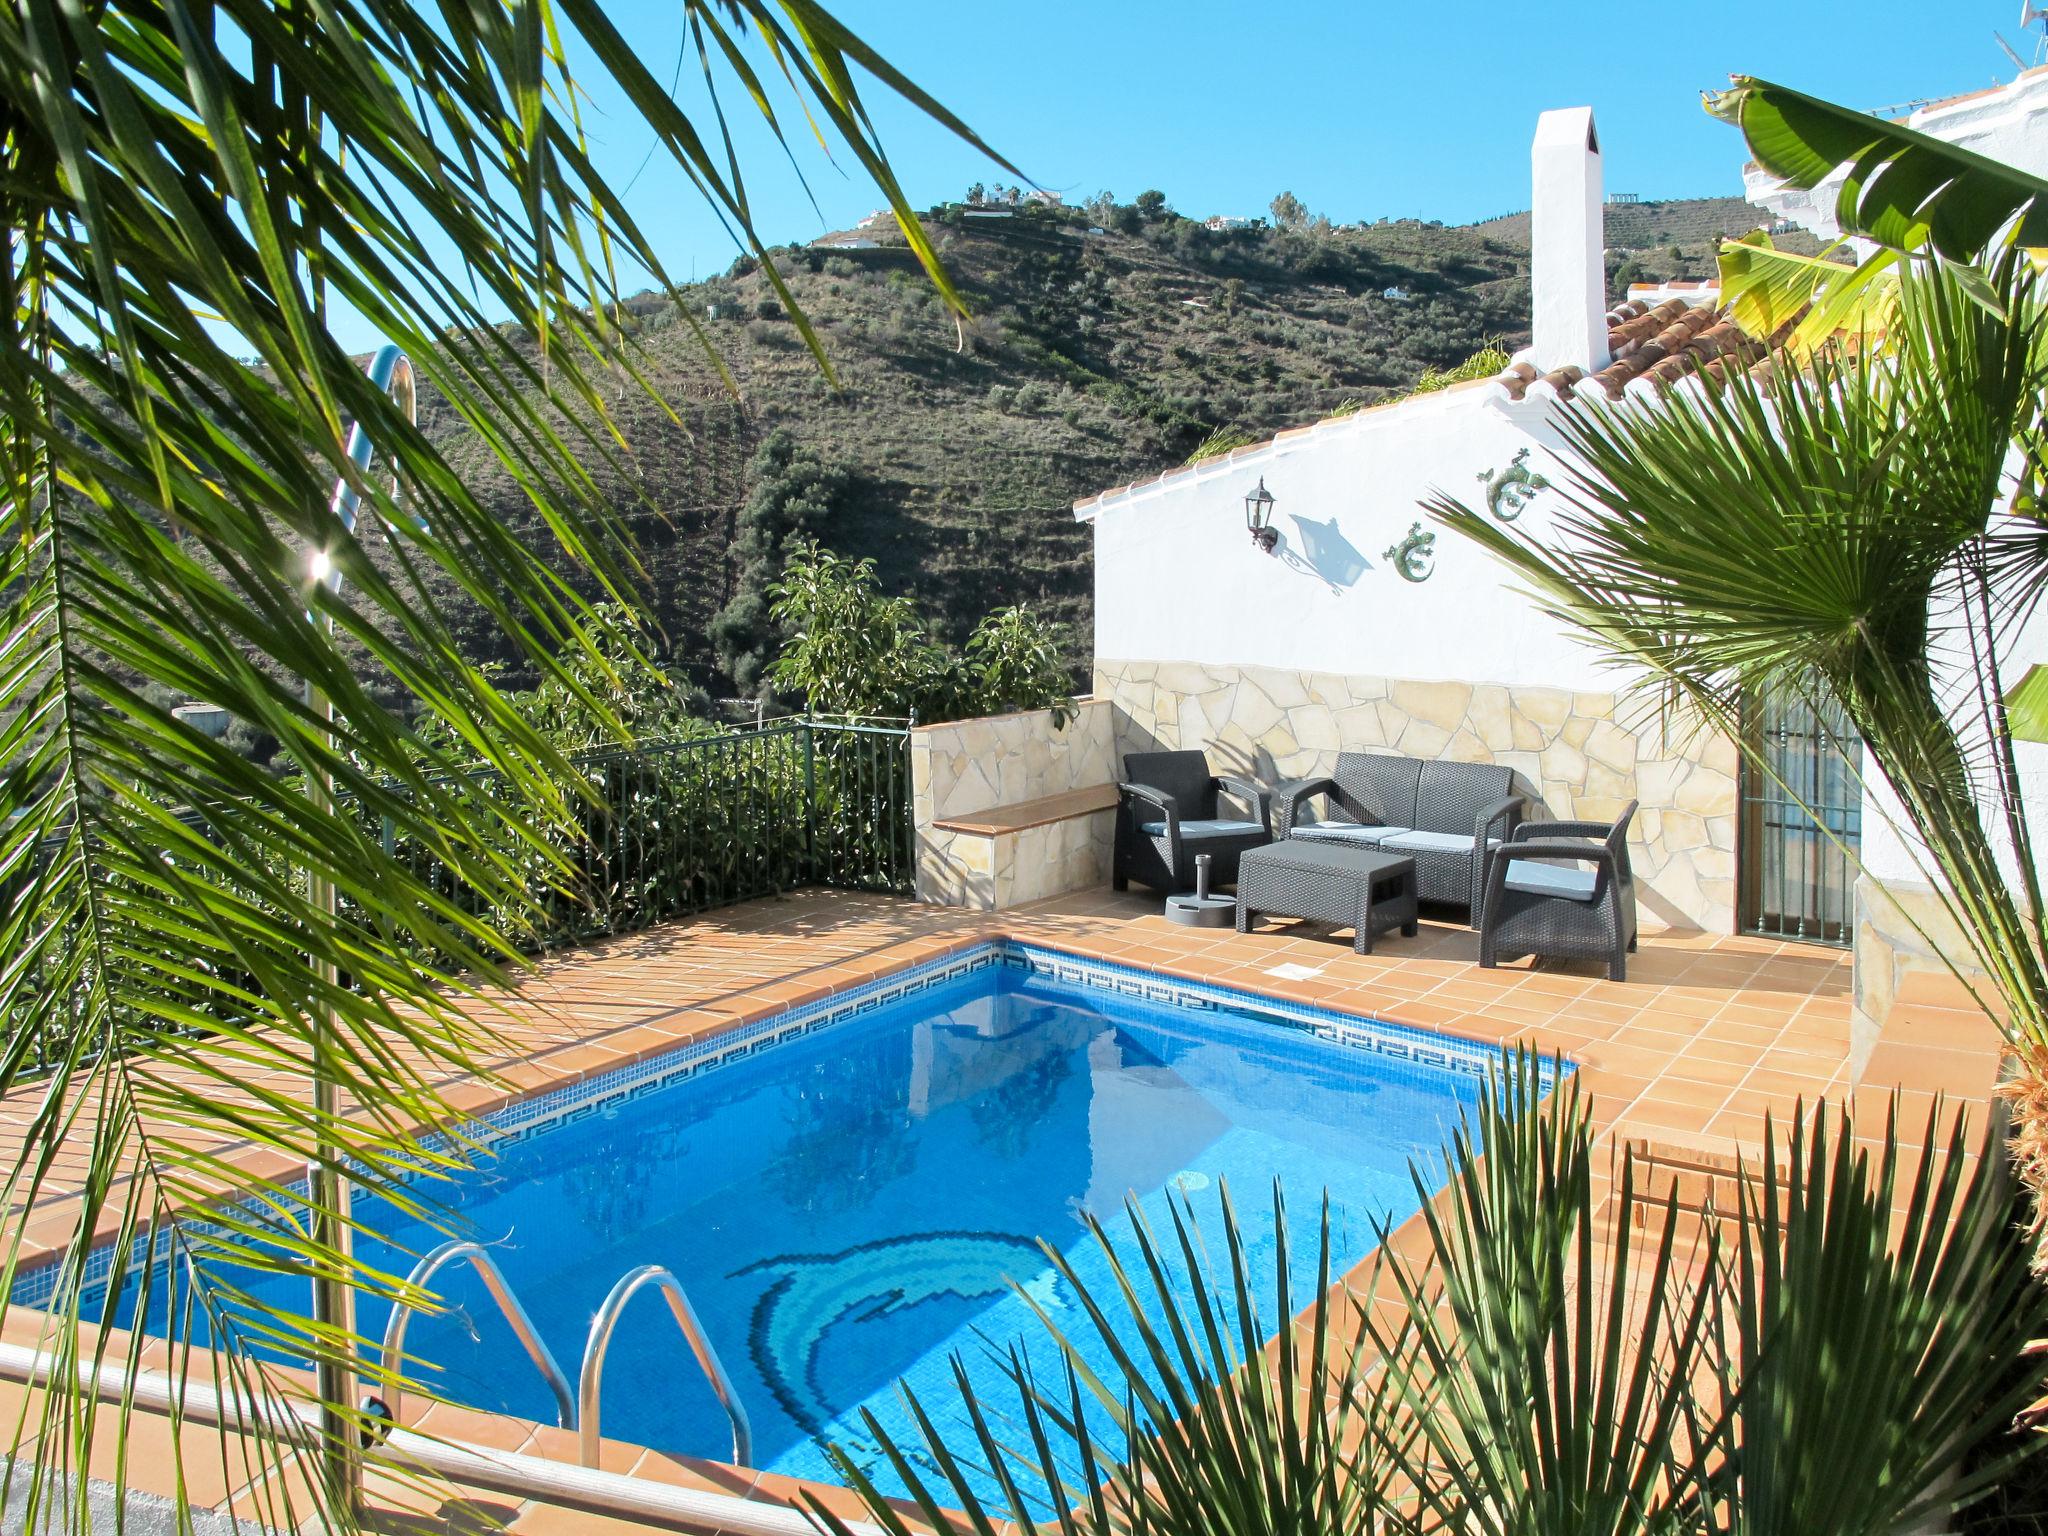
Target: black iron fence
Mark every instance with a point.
(672, 828)
(676, 827)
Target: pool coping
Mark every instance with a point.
(1542, 1014)
(529, 1113)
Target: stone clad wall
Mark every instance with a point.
(1574, 754)
(1902, 931)
(964, 766)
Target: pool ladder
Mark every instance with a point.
(583, 1410)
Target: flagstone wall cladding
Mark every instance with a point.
(1577, 755)
(964, 766)
(1902, 930)
(988, 874)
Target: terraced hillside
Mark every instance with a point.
(1094, 356)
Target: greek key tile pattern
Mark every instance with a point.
(530, 1116)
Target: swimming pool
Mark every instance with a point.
(849, 1190)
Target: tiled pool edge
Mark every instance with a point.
(526, 1114)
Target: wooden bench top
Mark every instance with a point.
(998, 819)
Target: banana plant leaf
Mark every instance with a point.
(1906, 190)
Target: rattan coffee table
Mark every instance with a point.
(1359, 888)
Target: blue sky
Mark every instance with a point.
(1360, 109)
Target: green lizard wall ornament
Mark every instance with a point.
(1413, 558)
(1509, 491)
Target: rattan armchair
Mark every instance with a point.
(1540, 901)
(1168, 812)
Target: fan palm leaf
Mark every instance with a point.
(1838, 532)
(1884, 1277)
(1582, 1355)
(1170, 1415)
(189, 191)
(1564, 1352)
(1547, 1363)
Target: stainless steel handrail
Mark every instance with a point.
(590, 1383)
(393, 1356)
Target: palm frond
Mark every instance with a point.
(1890, 1279)
(1171, 1413)
(1836, 530)
(190, 193)
(1546, 1362)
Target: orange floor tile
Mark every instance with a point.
(1685, 1059)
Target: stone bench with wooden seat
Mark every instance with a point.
(1011, 808)
(1006, 855)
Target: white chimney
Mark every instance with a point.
(1567, 241)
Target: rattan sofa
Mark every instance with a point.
(1447, 817)
(1540, 902)
(1168, 812)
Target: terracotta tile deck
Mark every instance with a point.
(1707, 1036)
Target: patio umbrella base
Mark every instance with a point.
(1202, 911)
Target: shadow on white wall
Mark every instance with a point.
(1324, 553)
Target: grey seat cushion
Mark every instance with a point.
(1535, 877)
(1192, 829)
(1433, 842)
(1344, 832)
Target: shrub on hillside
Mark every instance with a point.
(854, 651)
(790, 497)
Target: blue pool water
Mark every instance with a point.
(849, 1207)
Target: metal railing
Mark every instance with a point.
(668, 829)
(590, 1381)
(679, 827)
(392, 1357)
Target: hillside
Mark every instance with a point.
(1094, 357)
(1651, 222)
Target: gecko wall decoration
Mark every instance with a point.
(1509, 491)
(1414, 557)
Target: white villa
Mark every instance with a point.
(1363, 630)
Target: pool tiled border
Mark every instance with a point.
(1683, 1060)
(530, 1115)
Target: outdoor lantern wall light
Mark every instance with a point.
(1258, 516)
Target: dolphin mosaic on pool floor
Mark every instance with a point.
(817, 1291)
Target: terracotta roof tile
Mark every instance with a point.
(1517, 379)
(1663, 343)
